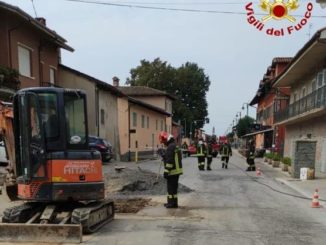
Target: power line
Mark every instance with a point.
(156, 8)
(182, 3)
(174, 9)
(34, 8)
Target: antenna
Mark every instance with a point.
(34, 9)
(309, 32)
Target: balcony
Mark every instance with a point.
(311, 104)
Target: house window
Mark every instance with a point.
(134, 119)
(156, 124)
(25, 61)
(102, 116)
(320, 79)
(294, 97)
(142, 121)
(303, 92)
(161, 125)
(52, 75)
(313, 85)
(147, 122)
(277, 105)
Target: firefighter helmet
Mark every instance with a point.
(170, 137)
(163, 137)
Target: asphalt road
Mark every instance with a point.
(226, 207)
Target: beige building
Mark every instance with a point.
(304, 118)
(153, 97)
(145, 123)
(129, 124)
(102, 104)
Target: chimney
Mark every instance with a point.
(115, 81)
(41, 20)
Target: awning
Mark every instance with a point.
(258, 132)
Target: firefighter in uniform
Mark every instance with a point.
(225, 153)
(201, 153)
(172, 168)
(209, 155)
(251, 157)
(184, 149)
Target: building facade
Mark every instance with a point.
(28, 46)
(304, 118)
(270, 100)
(153, 97)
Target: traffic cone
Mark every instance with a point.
(258, 172)
(315, 201)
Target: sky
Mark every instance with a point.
(110, 40)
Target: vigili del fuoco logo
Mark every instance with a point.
(278, 10)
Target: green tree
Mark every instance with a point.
(244, 126)
(188, 83)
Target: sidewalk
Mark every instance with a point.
(305, 187)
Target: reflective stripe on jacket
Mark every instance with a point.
(201, 150)
(226, 151)
(172, 160)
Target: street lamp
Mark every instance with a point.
(236, 117)
(247, 107)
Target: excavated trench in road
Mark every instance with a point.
(131, 188)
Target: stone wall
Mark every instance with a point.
(304, 156)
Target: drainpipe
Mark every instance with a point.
(129, 140)
(40, 66)
(9, 41)
(97, 113)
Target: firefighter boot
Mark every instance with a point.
(208, 167)
(226, 165)
(172, 203)
(223, 164)
(167, 201)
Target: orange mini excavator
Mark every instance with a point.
(51, 168)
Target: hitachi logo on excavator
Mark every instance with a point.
(80, 168)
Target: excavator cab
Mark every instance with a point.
(58, 176)
(53, 160)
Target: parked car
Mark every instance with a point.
(101, 145)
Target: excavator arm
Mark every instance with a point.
(8, 184)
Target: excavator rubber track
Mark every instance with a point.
(59, 222)
(94, 216)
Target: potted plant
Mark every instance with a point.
(276, 160)
(311, 174)
(266, 157)
(286, 161)
(289, 167)
(269, 158)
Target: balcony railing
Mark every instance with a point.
(315, 100)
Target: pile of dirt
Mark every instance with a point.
(131, 188)
(130, 205)
(137, 182)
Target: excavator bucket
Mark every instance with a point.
(40, 233)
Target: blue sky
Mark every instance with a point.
(110, 40)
